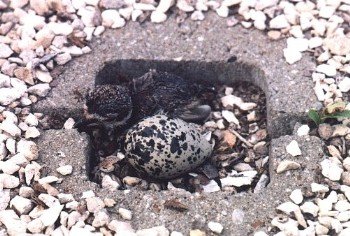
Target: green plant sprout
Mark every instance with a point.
(332, 111)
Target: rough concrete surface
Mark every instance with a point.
(204, 51)
(203, 48)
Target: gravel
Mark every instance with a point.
(34, 39)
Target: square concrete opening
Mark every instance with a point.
(218, 74)
(77, 147)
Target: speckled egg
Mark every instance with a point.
(164, 147)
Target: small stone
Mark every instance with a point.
(48, 179)
(63, 58)
(340, 130)
(28, 148)
(126, 12)
(158, 17)
(36, 226)
(21, 205)
(99, 30)
(291, 55)
(303, 130)
(109, 183)
(60, 28)
(39, 89)
(121, 228)
(3, 151)
(94, 204)
(346, 163)
(298, 44)
(112, 19)
(215, 227)
(259, 20)
(109, 202)
(158, 230)
(222, 11)
(49, 216)
(183, 5)
(8, 181)
(344, 85)
(131, 181)
(228, 140)
(297, 196)
(310, 207)
(331, 169)
(287, 165)
(24, 74)
(14, 226)
(211, 187)
(65, 170)
(31, 120)
(69, 124)
(319, 188)
(279, 22)
(10, 128)
(315, 42)
(197, 16)
(125, 214)
(101, 219)
(43, 76)
(65, 197)
(5, 51)
(293, 148)
(39, 6)
(32, 132)
(326, 69)
(164, 5)
(230, 117)
(229, 3)
(338, 45)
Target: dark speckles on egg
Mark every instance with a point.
(151, 147)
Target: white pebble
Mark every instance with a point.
(215, 227)
(326, 69)
(32, 132)
(158, 17)
(297, 196)
(39, 89)
(5, 51)
(293, 148)
(28, 148)
(298, 44)
(344, 85)
(310, 207)
(211, 187)
(10, 127)
(9, 181)
(112, 19)
(222, 11)
(291, 55)
(43, 76)
(125, 213)
(331, 169)
(94, 204)
(49, 216)
(315, 42)
(69, 124)
(21, 205)
(287, 165)
(65, 170)
(319, 188)
(303, 130)
(230, 117)
(31, 120)
(279, 22)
